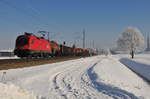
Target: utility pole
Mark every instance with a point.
(148, 43)
(83, 38)
(93, 44)
(48, 35)
(145, 40)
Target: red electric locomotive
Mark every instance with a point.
(29, 45)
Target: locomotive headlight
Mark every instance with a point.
(47, 46)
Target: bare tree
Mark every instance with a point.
(130, 40)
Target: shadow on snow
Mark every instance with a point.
(140, 69)
(109, 90)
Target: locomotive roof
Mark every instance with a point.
(29, 33)
(54, 42)
(34, 35)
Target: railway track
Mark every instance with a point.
(20, 63)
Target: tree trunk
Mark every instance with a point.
(132, 54)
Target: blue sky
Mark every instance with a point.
(103, 20)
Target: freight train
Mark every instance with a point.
(29, 45)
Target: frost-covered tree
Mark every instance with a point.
(130, 40)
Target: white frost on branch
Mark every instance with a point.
(131, 39)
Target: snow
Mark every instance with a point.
(140, 64)
(10, 91)
(130, 39)
(6, 50)
(13, 57)
(110, 71)
(98, 77)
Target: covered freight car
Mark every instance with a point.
(55, 48)
(66, 50)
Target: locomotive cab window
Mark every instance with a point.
(22, 41)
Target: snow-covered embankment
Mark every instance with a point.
(140, 68)
(96, 77)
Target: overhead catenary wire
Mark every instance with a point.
(36, 19)
(35, 15)
(18, 10)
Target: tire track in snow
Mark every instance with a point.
(111, 91)
(56, 88)
(70, 85)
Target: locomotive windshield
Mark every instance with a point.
(22, 41)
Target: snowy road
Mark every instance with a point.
(96, 77)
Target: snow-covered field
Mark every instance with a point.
(98, 77)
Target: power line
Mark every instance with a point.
(5, 19)
(20, 10)
(36, 11)
(35, 15)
